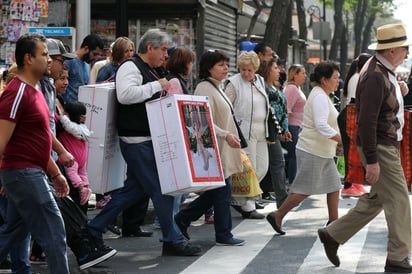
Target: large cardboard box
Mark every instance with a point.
(106, 167)
(184, 143)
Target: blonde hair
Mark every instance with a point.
(12, 71)
(293, 70)
(120, 45)
(248, 57)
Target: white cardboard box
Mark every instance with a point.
(106, 167)
(184, 143)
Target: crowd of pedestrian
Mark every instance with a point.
(290, 140)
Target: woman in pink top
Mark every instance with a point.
(295, 100)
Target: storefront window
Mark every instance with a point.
(181, 32)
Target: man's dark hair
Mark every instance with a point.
(75, 109)
(260, 47)
(92, 41)
(27, 43)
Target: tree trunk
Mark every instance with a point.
(367, 32)
(358, 24)
(276, 23)
(343, 52)
(254, 18)
(282, 49)
(303, 30)
(339, 27)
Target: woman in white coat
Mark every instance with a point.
(246, 91)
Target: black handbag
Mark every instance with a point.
(243, 142)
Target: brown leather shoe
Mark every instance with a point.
(399, 267)
(331, 246)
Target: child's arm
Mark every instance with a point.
(80, 131)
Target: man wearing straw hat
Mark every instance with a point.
(380, 119)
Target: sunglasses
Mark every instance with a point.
(61, 60)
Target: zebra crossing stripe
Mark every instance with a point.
(227, 259)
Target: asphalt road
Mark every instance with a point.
(299, 251)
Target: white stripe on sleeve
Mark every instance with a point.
(17, 100)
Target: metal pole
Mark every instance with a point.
(82, 21)
(325, 43)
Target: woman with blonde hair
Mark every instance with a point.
(295, 99)
(123, 48)
(246, 91)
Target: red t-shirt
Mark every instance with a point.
(30, 144)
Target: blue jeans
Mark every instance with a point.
(19, 253)
(179, 199)
(142, 178)
(32, 209)
(220, 198)
(291, 148)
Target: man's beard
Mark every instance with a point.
(86, 58)
(47, 72)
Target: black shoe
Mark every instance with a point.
(399, 267)
(5, 266)
(182, 226)
(259, 206)
(180, 249)
(114, 229)
(95, 257)
(252, 215)
(98, 243)
(139, 232)
(272, 221)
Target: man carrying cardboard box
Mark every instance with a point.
(136, 83)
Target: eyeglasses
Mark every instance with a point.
(61, 60)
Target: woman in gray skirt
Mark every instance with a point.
(316, 169)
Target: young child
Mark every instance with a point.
(74, 139)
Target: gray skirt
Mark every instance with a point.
(315, 175)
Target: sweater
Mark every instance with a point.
(310, 139)
(296, 100)
(378, 107)
(223, 125)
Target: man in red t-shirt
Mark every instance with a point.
(25, 147)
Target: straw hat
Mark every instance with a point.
(391, 36)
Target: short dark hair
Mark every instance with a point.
(323, 69)
(265, 67)
(209, 59)
(260, 47)
(179, 59)
(75, 109)
(27, 43)
(92, 41)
